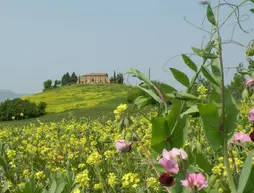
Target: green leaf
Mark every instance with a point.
(194, 169)
(185, 96)
(203, 162)
(163, 135)
(249, 188)
(60, 187)
(204, 54)
(246, 170)
(252, 10)
(211, 123)
(209, 46)
(231, 109)
(179, 135)
(191, 110)
(180, 77)
(159, 134)
(252, 1)
(152, 94)
(210, 15)
(189, 63)
(140, 75)
(141, 101)
(215, 68)
(209, 76)
(53, 187)
(245, 73)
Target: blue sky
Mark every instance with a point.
(42, 40)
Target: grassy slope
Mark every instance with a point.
(78, 101)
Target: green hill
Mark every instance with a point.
(66, 98)
(79, 101)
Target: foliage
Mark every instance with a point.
(73, 78)
(47, 84)
(57, 83)
(237, 85)
(20, 109)
(117, 78)
(219, 116)
(66, 79)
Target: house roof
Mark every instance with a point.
(97, 74)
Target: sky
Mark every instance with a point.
(42, 40)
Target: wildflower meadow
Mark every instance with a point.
(186, 144)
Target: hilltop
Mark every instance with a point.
(79, 101)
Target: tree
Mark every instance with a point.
(114, 75)
(66, 79)
(47, 84)
(64, 82)
(237, 85)
(57, 83)
(20, 109)
(119, 78)
(74, 78)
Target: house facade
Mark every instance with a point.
(94, 78)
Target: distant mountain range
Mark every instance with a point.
(7, 94)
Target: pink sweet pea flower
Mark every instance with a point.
(241, 137)
(170, 165)
(195, 181)
(251, 115)
(249, 83)
(122, 146)
(174, 153)
(169, 160)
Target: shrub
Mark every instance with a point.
(20, 109)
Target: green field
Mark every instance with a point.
(79, 101)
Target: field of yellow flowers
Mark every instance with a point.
(83, 156)
(78, 96)
(83, 148)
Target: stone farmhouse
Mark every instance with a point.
(94, 78)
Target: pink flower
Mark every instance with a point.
(174, 153)
(122, 146)
(251, 115)
(249, 83)
(170, 165)
(195, 181)
(241, 137)
(169, 159)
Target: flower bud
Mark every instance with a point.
(252, 136)
(122, 146)
(166, 179)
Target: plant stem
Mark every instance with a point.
(224, 130)
(234, 164)
(149, 159)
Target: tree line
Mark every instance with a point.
(66, 79)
